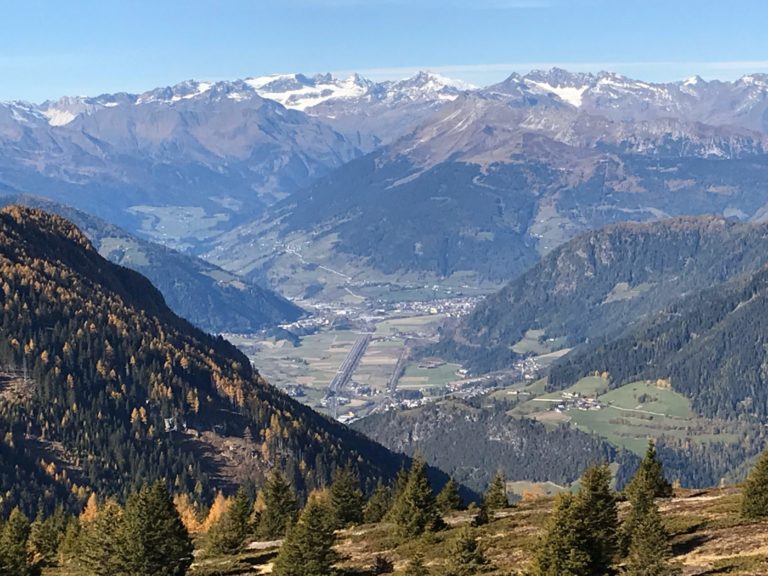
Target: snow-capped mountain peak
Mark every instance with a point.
(569, 87)
(301, 92)
(181, 91)
(571, 94)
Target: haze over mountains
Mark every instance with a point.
(540, 157)
(514, 170)
(211, 298)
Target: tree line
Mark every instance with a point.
(152, 533)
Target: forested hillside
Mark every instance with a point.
(472, 443)
(104, 388)
(711, 346)
(209, 297)
(603, 281)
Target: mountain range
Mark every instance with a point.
(605, 204)
(218, 168)
(504, 174)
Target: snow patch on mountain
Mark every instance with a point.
(303, 93)
(571, 94)
(300, 92)
(58, 117)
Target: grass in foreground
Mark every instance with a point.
(708, 538)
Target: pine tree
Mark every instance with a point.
(642, 500)
(465, 556)
(415, 511)
(99, 541)
(45, 536)
(279, 507)
(398, 487)
(382, 565)
(215, 512)
(416, 566)
(14, 559)
(229, 533)
(652, 472)
(153, 540)
(346, 497)
(308, 548)
(189, 513)
(649, 548)
(596, 504)
(754, 500)
(562, 549)
(495, 497)
(448, 499)
(69, 548)
(378, 504)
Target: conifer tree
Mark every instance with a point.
(754, 500)
(652, 473)
(415, 510)
(596, 505)
(100, 539)
(46, 534)
(308, 548)
(416, 566)
(465, 556)
(378, 504)
(189, 513)
(495, 497)
(642, 500)
(229, 533)
(215, 512)
(153, 540)
(69, 548)
(14, 558)
(382, 565)
(448, 498)
(562, 549)
(398, 487)
(649, 548)
(346, 497)
(279, 507)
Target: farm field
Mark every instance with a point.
(626, 416)
(315, 361)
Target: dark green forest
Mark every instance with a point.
(603, 281)
(471, 443)
(711, 346)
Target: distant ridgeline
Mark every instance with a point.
(209, 297)
(599, 283)
(104, 388)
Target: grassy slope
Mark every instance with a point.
(630, 415)
(708, 537)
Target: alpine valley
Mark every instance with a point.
(320, 291)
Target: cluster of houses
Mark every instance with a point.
(574, 400)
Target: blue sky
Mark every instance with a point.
(49, 49)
